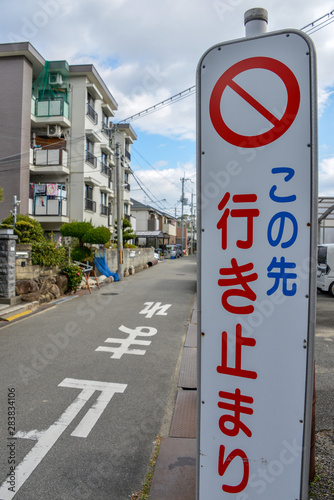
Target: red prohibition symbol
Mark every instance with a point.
(280, 126)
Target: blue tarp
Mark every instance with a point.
(102, 266)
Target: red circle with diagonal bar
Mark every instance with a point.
(280, 126)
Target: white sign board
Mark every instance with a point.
(258, 194)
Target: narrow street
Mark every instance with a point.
(85, 386)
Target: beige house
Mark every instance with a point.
(153, 227)
(58, 141)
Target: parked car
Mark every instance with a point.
(325, 269)
(170, 252)
(178, 249)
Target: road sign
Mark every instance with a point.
(280, 126)
(257, 217)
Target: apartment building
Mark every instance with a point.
(58, 141)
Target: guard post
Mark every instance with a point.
(7, 267)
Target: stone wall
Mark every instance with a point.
(24, 268)
(7, 264)
(137, 258)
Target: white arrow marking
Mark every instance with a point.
(46, 439)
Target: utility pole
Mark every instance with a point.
(14, 212)
(183, 202)
(120, 260)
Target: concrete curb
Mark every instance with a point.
(175, 471)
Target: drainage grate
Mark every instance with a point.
(110, 293)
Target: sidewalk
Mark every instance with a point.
(11, 312)
(175, 471)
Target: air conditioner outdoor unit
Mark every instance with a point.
(55, 78)
(54, 130)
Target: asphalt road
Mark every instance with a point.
(324, 362)
(80, 410)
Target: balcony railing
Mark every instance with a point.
(107, 130)
(91, 113)
(104, 209)
(50, 206)
(50, 107)
(91, 159)
(105, 169)
(50, 157)
(90, 205)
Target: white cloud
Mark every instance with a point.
(326, 177)
(148, 51)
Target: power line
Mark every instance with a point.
(311, 28)
(320, 23)
(167, 102)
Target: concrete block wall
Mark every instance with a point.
(136, 257)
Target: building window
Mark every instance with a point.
(91, 108)
(105, 169)
(104, 205)
(90, 157)
(89, 203)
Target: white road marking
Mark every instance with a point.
(124, 347)
(46, 439)
(155, 308)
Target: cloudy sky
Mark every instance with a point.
(147, 51)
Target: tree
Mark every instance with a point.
(76, 230)
(1, 194)
(127, 230)
(85, 232)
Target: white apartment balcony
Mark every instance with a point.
(55, 111)
(169, 229)
(49, 209)
(49, 161)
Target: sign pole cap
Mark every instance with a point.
(256, 21)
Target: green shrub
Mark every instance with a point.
(97, 235)
(76, 230)
(74, 275)
(27, 229)
(82, 254)
(46, 253)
